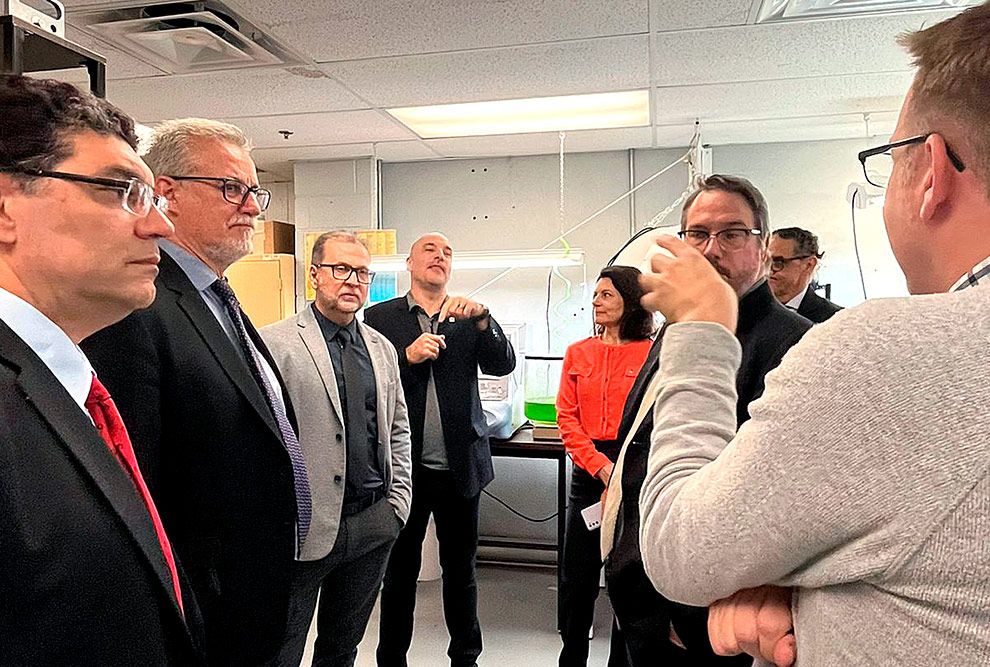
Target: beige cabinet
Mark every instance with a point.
(265, 286)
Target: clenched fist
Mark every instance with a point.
(427, 346)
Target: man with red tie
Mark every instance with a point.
(88, 575)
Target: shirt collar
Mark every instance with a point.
(330, 328)
(413, 305)
(795, 303)
(62, 357)
(199, 274)
(973, 276)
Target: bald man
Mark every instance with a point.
(442, 341)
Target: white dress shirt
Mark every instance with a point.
(63, 357)
(795, 303)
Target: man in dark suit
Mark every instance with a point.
(88, 575)
(441, 341)
(794, 256)
(344, 380)
(211, 421)
(725, 218)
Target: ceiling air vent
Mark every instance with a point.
(184, 36)
(796, 10)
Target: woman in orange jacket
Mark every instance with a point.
(597, 375)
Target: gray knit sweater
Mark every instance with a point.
(861, 480)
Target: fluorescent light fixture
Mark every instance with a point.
(538, 114)
(793, 10)
(517, 259)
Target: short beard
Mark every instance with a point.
(229, 251)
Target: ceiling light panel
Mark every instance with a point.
(795, 10)
(542, 114)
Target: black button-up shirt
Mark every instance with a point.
(374, 478)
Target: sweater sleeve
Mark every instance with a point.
(796, 498)
(576, 440)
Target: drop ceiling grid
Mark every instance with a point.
(231, 94)
(598, 65)
(670, 16)
(787, 50)
(352, 29)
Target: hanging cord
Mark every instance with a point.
(555, 271)
(859, 262)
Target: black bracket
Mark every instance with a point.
(26, 48)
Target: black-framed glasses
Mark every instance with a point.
(728, 239)
(342, 272)
(878, 162)
(233, 190)
(137, 197)
(778, 263)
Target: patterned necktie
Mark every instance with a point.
(358, 447)
(304, 500)
(111, 427)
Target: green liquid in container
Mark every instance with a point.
(541, 409)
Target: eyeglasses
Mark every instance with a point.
(727, 239)
(342, 272)
(878, 163)
(233, 190)
(137, 196)
(778, 263)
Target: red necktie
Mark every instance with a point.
(111, 427)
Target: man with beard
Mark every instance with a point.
(211, 421)
(442, 342)
(726, 219)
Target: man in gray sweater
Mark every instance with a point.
(875, 508)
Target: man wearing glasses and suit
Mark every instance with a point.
(88, 573)
(725, 219)
(343, 377)
(794, 256)
(210, 418)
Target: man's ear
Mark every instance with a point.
(937, 180)
(9, 188)
(165, 187)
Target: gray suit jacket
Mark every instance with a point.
(300, 351)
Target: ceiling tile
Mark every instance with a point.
(787, 98)
(119, 64)
(787, 50)
(232, 94)
(317, 129)
(350, 29)
(685, 14)
(600, 65)
(544, 143)
(846, 126)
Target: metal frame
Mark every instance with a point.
(27, 48)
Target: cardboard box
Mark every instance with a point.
(274, 238)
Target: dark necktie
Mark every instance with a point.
(111, 427)
(358, 447)
(304, 499)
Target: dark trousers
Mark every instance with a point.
(348, 580)
(580, 570)
(456, 520)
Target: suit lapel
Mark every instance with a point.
(77, 435)
(191, 303)
(312, 338)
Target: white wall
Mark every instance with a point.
(805, 186)
(513, 203)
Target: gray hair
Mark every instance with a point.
(170, 143)
(341, 235)
(736, 185)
